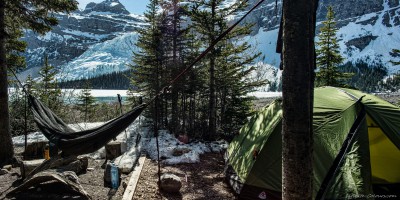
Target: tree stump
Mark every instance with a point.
(34, 150)
(170, 183)
(113, 150)
(29, 165)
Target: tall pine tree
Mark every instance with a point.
(147, 74)
(47, 88)
(15, 16)
(228, 66)
(328, 55)
(175, 55)
(86, 103)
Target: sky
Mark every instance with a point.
(133, 6)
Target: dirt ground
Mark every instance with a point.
(203, 180)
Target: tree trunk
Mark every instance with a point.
(212, 97)
(7, 151)
(212, 100)
(297, 91)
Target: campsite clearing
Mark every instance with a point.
(203, 180)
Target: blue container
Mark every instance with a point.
(114, 176)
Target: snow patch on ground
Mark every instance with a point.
(98, 93)
(137, 137)
(168, 144)
(266, 94)
(39, 137)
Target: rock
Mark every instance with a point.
(124, 184)
(112, 6)
(90, 169)
(126, 168)
(180, 151)
(7, 167)
(124, 147)
(78, 166)
(170, 183)
(3, 171)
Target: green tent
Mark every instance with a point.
(356, 148)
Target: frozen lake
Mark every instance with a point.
(110, 96)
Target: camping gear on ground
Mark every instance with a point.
(356, 148)
(46, 152)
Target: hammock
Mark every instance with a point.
(87, 141)
(76, 143)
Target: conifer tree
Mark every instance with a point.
(175, 54)
(147, 72)
(86, 103)
(15, 16)
(47, 88)
(19, 108)
(328, 54)
(228, 65)
(392, 83)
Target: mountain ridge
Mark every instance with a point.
(368, 30)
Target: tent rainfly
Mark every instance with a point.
(356, 148)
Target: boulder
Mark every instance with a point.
(7, 167)
(170, 183)
(78, 166)
(3, 171)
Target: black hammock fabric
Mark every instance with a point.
(79, 142)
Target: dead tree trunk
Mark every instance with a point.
(298, 91)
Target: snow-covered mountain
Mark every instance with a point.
(101, 38)
(368, 30)
(106, 27)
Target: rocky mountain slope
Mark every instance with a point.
(105, 26)
(101, 38)
(368, 30)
